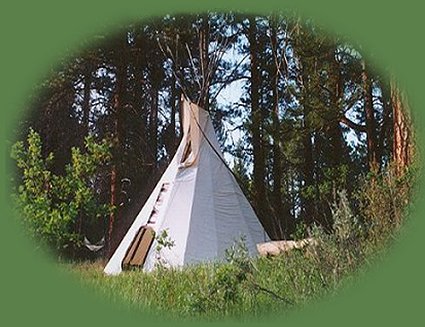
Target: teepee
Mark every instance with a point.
(197, 201)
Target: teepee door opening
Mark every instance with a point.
(137, 252)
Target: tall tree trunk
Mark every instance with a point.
(153, 123)
(205, 65)
(118, 133)
(258, 149)
(386, 132)
(338, 151)
(403, 138)
(139, 80)
(85, 122)
(172, 136)
(371, 130)
(281, 208)
(277, 160)
(309, 203)
(86, 99)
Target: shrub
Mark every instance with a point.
(224, 290)
(163, 241)
(383, 203)
(52, 206)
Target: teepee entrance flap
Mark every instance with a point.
(194, 122)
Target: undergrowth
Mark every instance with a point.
(244, 287)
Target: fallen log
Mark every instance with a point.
(273, 248)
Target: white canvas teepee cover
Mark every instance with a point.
(197, 200)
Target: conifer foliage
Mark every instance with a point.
(300, 114)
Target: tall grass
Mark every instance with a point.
(214, 291)
(244, 287)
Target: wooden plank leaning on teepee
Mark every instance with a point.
(139, 248)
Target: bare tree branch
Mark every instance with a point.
(352, 125)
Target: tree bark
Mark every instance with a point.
(309, 203)
(402, 138)
(172, 136)
(139, 80)
(86, 100)
(85, 121)
(256, 116)
(370, 122)
(281, 207)
(386, 132)
(338, 151)
(153, 123)
(277, 168)
(205, 66)
(118, 133)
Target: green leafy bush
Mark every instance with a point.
(52, 206)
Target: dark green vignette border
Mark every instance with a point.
(37, 35)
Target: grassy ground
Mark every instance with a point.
(245, 288)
